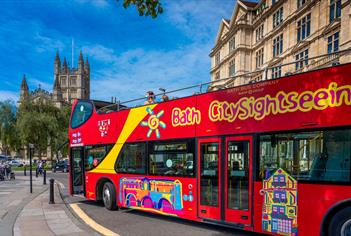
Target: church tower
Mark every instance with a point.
(24, 89)
(74, 83)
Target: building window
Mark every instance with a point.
(309, 156)
(217, 75)
(304, 27)
(63, 82)
(232, 68)
(259, 58)
(217, 58)
(274, 2)
(278, 45)
(132, 159)
(231, 45)
(259, 33)
(172, 158)
(74, 81)
(333, 43)
(300, 3)
(334, 10)
(277, 72)
(301, 59)
(278, 17)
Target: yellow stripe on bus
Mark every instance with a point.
(135, 116)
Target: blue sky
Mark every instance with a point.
(128, 54)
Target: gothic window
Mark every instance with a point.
(278, 45)
(232, 68)
(278, 17)
(259, 58)
(218, 58)
(276, 72)
(300, 3)
(63, 82)
(334, 10)
(333, 43)
(304, 27)
(231, 45)
(259, 33)
(300, 62)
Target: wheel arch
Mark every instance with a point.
(100, 184)
(330, 213)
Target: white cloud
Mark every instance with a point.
(45, 44)
(8, 95)
(199, 19)
(95, 3)
(34, 84)
(132, 73)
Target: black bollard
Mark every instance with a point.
(25, 171)
(36, 173)
(44, 177)
(51, 201)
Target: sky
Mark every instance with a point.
(128, 54)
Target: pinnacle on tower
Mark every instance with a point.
(57, 58)
(57, 64)
(87, 62)
(80, 63)
(24, 89)
(80, 57)
(24, 85)
(64, 66)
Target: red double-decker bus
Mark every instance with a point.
(270, 157)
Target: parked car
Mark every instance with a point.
(60, 166)
(15, 163)
(3, 158)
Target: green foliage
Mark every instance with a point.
(145, 7)
(8, 133)
(42, 124)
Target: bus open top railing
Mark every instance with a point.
(270, 72)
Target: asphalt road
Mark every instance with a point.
(127, 222)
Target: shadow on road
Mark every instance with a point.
(221, 230)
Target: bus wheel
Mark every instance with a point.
(109, 196)
(341, 223)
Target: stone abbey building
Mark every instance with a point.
(69, 84)
(267, 39)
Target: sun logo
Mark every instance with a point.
(153, 122)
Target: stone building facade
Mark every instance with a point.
(273, 38)
(69, 84)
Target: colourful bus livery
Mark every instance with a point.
(162, 196)
(257, 157)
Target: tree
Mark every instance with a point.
(145, 7)
(42, 124)
(8, 133)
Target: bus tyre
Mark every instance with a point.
(340, 224)
(109, 196)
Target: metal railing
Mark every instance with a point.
(317, 62)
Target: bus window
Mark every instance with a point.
(176, 158)
(95, 154)
(311, 156)
(81, 113)
(132, 159)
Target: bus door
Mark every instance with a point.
(77, 170)
(224, 179)
(209, 176)
(238, 180)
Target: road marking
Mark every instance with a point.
(62, 186)
(99, 228)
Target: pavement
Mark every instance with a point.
(23, 213)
